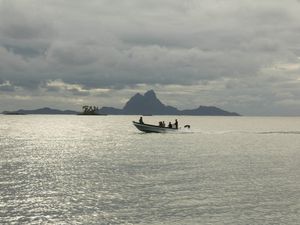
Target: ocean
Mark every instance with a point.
(60, 169)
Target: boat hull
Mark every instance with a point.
(148, 128)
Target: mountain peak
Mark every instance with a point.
(147, 104)
(137, 96)
(150, 94)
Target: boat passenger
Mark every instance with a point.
(176, 124)
(141, 120)
(170, 125)
(163, 124)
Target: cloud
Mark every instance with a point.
(23, 32)
(236, 54)
(6, 86)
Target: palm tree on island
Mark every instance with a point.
(90, 110)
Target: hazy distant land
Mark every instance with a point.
(45, 110)
(147, 104)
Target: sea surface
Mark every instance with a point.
(102, 170)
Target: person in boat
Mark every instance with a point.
(162, 123)
(170, 125)
(176, 124)
(141, 120)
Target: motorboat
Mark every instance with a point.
(149, 128)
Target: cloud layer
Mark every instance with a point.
(239, 55)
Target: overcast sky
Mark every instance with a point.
(239, 55)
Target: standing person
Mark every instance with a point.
(141, 120)
(176, 124)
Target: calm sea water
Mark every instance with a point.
(101, 170)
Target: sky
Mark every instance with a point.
(239, 55)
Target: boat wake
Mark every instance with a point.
(279, 132)
(185, 130)
(244, 132)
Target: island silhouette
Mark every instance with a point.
(147, 104)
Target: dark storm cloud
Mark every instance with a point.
(23, 32)
(228, 49)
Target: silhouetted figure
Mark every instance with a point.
(176, 124)
(170, 125)
(141, 120)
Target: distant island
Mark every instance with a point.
(44, 111)
(87, 110)
(147, 104)
(91, 111)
